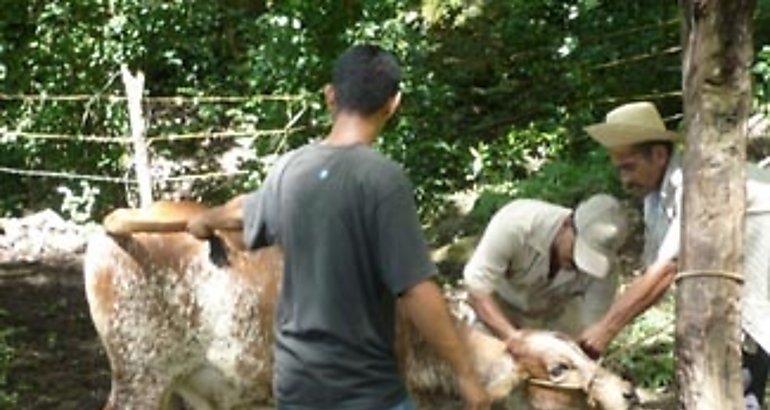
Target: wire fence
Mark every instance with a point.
(63, 175)
(7, 136)
(179, 100)
(119, 180)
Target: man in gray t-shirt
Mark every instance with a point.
(346, 221)
(345, 218)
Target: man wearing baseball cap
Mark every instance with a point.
(642, 150)
(540, 265)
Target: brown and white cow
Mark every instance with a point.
(189, 321)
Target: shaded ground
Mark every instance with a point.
(58, 360)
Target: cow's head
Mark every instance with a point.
(561, 376)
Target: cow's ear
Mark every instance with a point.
(218, 252)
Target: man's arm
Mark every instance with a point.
(425, 305)
(642, 293)
(488, 310)
(226, 217)
(496, 252)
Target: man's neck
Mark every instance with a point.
(349, 129)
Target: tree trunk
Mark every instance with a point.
(717, 39)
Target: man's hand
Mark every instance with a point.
(594, 340)
(474, 396)
(514, 342)
(227, 217)
(490, 313)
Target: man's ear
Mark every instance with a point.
(330, 98)
(392, 105)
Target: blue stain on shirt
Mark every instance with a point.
(323, 174)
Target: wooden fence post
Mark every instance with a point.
(717, 40)
(134, 89)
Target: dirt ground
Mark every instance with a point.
(59, 362)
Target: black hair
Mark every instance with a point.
(364, 78)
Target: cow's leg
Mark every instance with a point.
(141, 392)
(191, 399)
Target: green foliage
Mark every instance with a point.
(761, 71)
(564, 182)
(517, 155)
(495, 93)
(645, 349)
(570, 181)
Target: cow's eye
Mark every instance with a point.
(557, 370)
(630, 396)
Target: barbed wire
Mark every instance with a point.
(66, 137)
(104, 139)
(640, 97)
(178, 99)
(5, 134)
(125, 180)
(64, 175)
(210, 175)
(223, 134)
(637, 58)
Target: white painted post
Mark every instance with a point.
(134, 89)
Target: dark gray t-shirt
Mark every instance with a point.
(346, 220)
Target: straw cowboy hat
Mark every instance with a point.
(601, 228)
(631, 124)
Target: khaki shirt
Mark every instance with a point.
(512, 262)
(662, 216)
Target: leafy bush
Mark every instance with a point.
(537, 68)
(564, 182)
(761, 71)
(570, 181)
(644, 350)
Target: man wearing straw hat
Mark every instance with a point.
(540, 265)
(642, 150)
